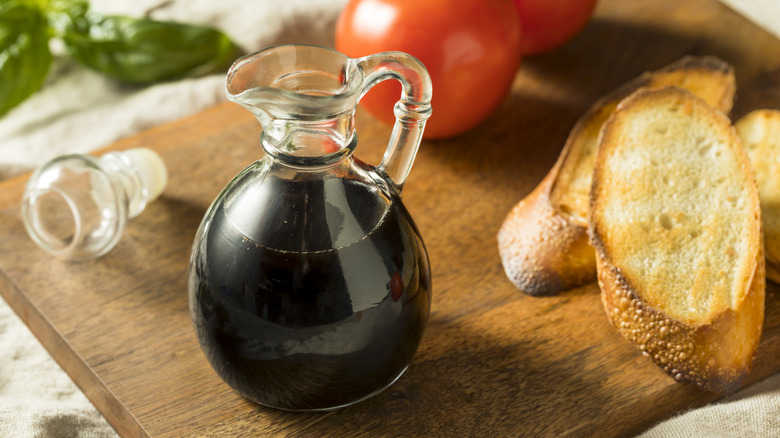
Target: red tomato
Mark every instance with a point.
(471, 49)
(548, 24)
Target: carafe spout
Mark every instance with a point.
(303, 96)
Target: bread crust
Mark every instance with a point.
(543, 243)
(701, 354)
(542, 252)
(715, 351)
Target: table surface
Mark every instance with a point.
(493, 360)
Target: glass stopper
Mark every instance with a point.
(76, 206)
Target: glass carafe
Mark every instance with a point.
(309, 284)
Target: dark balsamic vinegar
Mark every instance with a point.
(317, 319)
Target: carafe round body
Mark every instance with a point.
(309, 290)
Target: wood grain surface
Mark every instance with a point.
(493, 361)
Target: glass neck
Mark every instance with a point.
(311, 144)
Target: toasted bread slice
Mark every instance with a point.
(543, 241)
(676, 223)
(760, 134)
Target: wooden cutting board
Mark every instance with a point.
(493, 361)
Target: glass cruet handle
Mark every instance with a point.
(411, 111)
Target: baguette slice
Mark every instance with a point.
(543, 241)
(676, 224)
(760, 134)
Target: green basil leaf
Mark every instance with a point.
(65, 13)
(141, 50)
(24, 53)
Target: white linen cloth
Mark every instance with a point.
(79, 111)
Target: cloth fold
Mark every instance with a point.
(79, 111)
(751, 412)
(37, 398)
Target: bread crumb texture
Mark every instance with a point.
(679, 209)
(760, 134)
